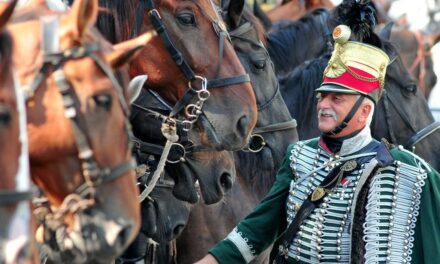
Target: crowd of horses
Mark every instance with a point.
(198, 92)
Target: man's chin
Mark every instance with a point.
(325, 129)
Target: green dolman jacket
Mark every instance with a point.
(268, 220)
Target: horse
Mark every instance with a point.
(257, 165)
(402, 116)
(163, 216)
(173, 62)
(254, 57)
(79, 137)
(286, 44)
(415, 50)
(16, 243)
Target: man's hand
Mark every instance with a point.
(208, 259)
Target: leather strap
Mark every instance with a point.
(347, 119)
(12, 197)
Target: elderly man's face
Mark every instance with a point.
(333, 108)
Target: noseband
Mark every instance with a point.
(257, 142)
(85, 195)
(420, 62)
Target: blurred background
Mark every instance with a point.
(418, 16)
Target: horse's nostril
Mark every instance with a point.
(242, 125)
(5, 115)
(226, 181)
(178, 229)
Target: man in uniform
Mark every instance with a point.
(344, 197)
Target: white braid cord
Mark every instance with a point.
(169, 131)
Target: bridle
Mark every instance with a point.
(192, 111)
(420, 61)
(8, 197)
(418, 135)
(157, 108)
(257, 142)
(84, 196)
(323, 17)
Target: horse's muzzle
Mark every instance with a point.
(94, 239)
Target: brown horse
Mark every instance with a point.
(174, 61)
(15, 215)
(257, 166)
(78, 130)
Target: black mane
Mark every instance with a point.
(291, 44)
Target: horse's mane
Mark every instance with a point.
(298, 90)
(116, 19)
(288, 44)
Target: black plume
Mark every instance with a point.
(361, 17)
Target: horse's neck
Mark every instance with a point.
(296, 43)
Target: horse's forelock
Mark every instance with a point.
(117, 19)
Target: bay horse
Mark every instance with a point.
(256, 166)
(15, 188)
(79, 136)
(173, 62)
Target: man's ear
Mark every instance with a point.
(365, 112)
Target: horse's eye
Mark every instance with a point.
(5, 116)
(186, 19)
(260, 64)
(103, 100)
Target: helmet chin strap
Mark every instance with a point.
(347, 119)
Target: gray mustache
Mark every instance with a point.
(329, 112)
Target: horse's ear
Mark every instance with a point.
(259, 13)
(83, 16)
(234, 9)
(6, 10)
(127, 50)
(135, 87)
(385, 33)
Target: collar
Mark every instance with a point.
(353, 144)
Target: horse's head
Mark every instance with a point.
(275, 128)
(188, 161)
(229, 115)
(15, 215)
(415, 49)
(78, 130)
(164, 216)
(403, 111)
